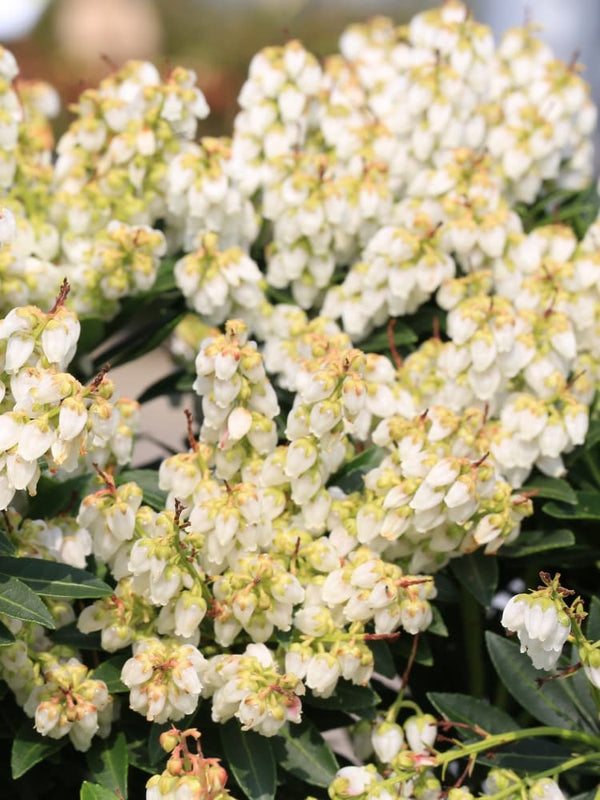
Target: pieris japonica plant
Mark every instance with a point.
(381, 296)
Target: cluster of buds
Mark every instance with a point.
(164, 678)
(60, 538)
(187, 774)
(11, 115)
(70, 702)
(541, 621)
(320, 219)
(238, 402)
(221, 284)
(417, 733)
(368, 589)
(121, 260)
(47, 412)
(276, 106)
(251, 687)
(204, 196)
(114, 157)
(258, 596)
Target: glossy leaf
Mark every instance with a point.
(29, 748)
(551, 489)
(587, 507)
(7, 548)
(532, 542)
(251, 760)
(164, 386)
(53, 579)
(54, 497)
(18, 601)
(6, 636)
(94, 791)
(108, 763)
(147, 480)
(301, 750)
(72, 636)
(350, 476)
(110, 672)
(471, 711)
(361, 700)
(554, 703)
(478, 574)
(592, 623)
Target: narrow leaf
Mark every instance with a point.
(6, 636)
(93, 791)
(472, 711)
(554, 703)
(592, 623)
(53, 579)
(350, 476)
(71, 635)
(7, 548)
(478, 573)
(17, 600)
(531, 542)
(361, 700)
(302, 751)
(54, 497)
(587, 507)
(166, 385)
(108, 762)
(551, 489)
(29, 748)
(250, 757)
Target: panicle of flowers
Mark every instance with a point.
(59, 538)
(221, 284)
(251, 687)
(71, 702)
(187, 774)
(164, 678)
(238, 402)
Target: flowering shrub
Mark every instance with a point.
(401, 250)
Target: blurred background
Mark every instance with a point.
(74, 43)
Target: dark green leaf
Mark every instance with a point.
(350, 476)
(142, 339)
(17, 600)
(166, 385)
(403, 647)
(250, 757)
(551, 489)
(110, 672)
(471, 711)
(302, 751)
(93, 333)
(478, 574)
(108, 762)
(531, 756)
(587, 507)
(531, 542)
(165, 279)
(186, 383)
(93, 791)
(53, 579)
(72, 636)
(7, 548)
(147, 480)
(592, 623)
(593, 435)
(6, 636)
(54, 497)
(379, 342)
(384, 662)
(29, 748)
(438, 626)
(361, 700)
(554, 703)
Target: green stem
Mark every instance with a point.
(473, 637)
(567, 765)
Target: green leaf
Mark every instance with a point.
(534, 755)
(587, 507)
(144, 338)
(72, 636)
(361, 700)
(302, 751)
(109, 671)
(531, 542)
(7, 548)
(29, 748)
(53, 579)
(384, 662)
(165, 279)
(54, 497)
(556, 702)
(250, 757)
(478, 574)
(108, 762)
(6, 636)
(17, 600)
(592, 623)
(93, 791)
(379, 342)
(167, 385)
(350, 476)
(438, 626)
(551, 489)
(147, 480)
(472, 711)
